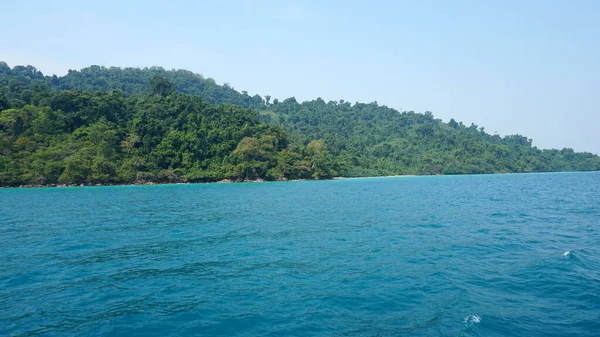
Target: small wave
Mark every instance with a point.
(471, 320)
(576, 252)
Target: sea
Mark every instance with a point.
(471, 255)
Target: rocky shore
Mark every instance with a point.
(142, 183)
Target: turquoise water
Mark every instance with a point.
(488, 255)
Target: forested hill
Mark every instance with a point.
(121, 125)
(134, 81)
(52, 136)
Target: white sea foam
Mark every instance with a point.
(471, 320)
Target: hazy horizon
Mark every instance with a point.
(512, 68)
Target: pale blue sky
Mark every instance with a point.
(527, 67)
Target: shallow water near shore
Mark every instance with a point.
(482, 255)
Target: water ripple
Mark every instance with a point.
(498, 255)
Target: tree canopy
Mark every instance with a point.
(114, 125)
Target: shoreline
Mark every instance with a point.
(388, 176)
(150, 183)
(232, 181)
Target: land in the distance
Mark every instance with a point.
(121, 126)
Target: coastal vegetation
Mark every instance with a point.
(127, 125)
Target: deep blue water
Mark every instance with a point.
(487, 255)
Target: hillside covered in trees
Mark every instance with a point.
(112, 125)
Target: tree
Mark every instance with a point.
(161, 86)
(319, 159)
(287, 165)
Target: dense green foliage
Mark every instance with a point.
(73, 137)
(134, 81)
(113, 125)
(369, 139)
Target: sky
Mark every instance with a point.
(512, 67)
